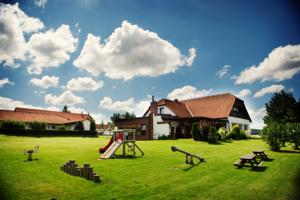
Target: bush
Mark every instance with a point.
(12, 124)
(195, 132)
(93, 126)
(235, 132)
(242, 135)
(272, 134)
(293, 132)
(61, 128)
(165, 137)
(79, 126)
(223, 133)
(37, 125)
(213, 135)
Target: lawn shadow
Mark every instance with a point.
(35, 159)
(186, 167)
(288, 151)
(259, 169)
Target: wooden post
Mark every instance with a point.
(85, 167)
(124, 143)
(96, 178)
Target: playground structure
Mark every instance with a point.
(86, 171)
(29, 152)
(120, 138)
(188, 156)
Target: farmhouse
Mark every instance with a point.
(52, 118)
(175, 118)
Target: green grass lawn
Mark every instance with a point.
(160, 174)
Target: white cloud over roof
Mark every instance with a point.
(188, 92)
(131, 51)
(66, 98)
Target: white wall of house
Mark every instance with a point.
(166, 111)
(243, 123)
(160, 129)
(87, 125)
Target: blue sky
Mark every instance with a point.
(103, 57)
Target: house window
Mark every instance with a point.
(245, 127)
(53, 127)
(143, 129)
(161, 110)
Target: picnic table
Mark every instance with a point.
(261, 154)
(249, 158)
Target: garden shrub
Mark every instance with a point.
(93, 126)
(79, 126)
(12, 124)
(61, 128)
(223, 133)
(272, 134)
(165, 137)
(37, 125)
(242, 135)
(235, 132)
(195, 132)
(213, 134)
(204, 133)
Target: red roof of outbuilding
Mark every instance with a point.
(50, 117)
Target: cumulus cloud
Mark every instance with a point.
(131, 51)
(40, 3)
(84, 83)
(188, 92)
(66, 98)
(281, 64)
(244, 93)
(129, 105)
(50, 49)
(267, 90)
(121, 106)
(5, 81)
(257, 117)
(11, 104)
(46, 82)
(224, 71)
(14, 23)
(99, 117)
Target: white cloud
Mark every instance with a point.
(39, 93)
(14, 23)
(188, 92)
(257, 117)
(40, 3)
(11, 104)
(129, 105)
(50, 49)
(77, 28)
(84, 83)
(267, 90)
(131, 51)
(281, 64)
(46, 82)
(66, 98)
(224, 71)
(5, 81)
(98, 117)
(244, 93)
(120, 106)
(74, 109)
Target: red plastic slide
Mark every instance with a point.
(103, 149)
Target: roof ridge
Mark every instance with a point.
(220, 94)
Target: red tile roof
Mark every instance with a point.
(215, 106)
(50, 117)
(177, 107)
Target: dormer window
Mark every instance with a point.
(161, 110)
(235, 109)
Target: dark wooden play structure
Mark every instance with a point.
(120, 139)
(188, 156)
(86, 171)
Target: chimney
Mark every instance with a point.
(176, 100)
(153, 106)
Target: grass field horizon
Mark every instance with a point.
(160, 174)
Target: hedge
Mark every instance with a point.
(47, 133)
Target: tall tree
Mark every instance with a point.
(117, 116)
(65, 109)
(281, 108)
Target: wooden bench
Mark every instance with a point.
(261, 154)
(250, 159)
